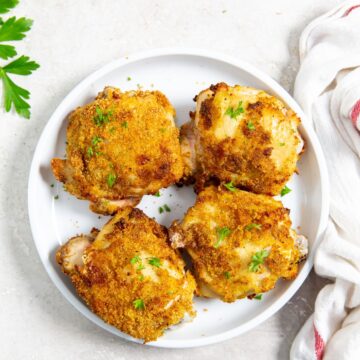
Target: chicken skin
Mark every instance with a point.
(120, 147)
(128, 275)
(240, 135)
(240, 243)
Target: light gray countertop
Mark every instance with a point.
(70, 39)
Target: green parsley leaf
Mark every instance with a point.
(141, 277)
(135, 259)
(285, 191)
(7, 51)
(282, 144)
(250, 125)
(13, 29)
(140, 267)
(21, 66)
(101, 118)
(111, 179)
(112, 130)
(128, 78)
(15, 95)
(90, 151)
(161, 210)
(139, 304)
(157, 194)
(6, 5)
(230, 186)
(96, 139)
(227, 275)
(258, 297)
(253, 226)
(154, 261)
(258, 259)
(56, 197)
(221, 234)
(52, 185)
(235, 112)
(167, 208)
(124, 124)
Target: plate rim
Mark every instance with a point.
(318, 153)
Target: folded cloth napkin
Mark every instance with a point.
(328, 89)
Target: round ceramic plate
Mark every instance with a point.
(180, 74)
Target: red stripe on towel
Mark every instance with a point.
(355, 113)
(319, 345)
(348, 11)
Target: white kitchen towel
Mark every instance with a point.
(328, 89)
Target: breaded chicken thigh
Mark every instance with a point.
(128, 275)
(120, 147)
(240, 243)
(241, 135)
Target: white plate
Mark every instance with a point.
(180, 74)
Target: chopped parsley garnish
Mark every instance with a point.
(282, 144)
(253, 226)
(230, 186)
(139, 304)
(285, 191)
(141, 277)
(167, 208)
(52, 185)
(258, 259)
(235, 112)
(140, 267)
(258, 297)
(154, 261)
(157, 194)
(162, 130)
(101, 118)
(250, 125)
(128, 78)
(221, 234)
(112, 130)
(135, 259)
(124, 124)
(95, 140)
(227, 275)
(111, 179)
(56, 197)
(161, 210)
(90, 151)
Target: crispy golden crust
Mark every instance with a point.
(222, 269)
(114, 271)
(122, 145)
(256, 148)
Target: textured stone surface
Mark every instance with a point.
(70, 39)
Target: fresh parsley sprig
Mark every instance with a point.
(14, 29)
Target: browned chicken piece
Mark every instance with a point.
(241, 135)
(129, 275)
(120, 147)
(240, 243)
